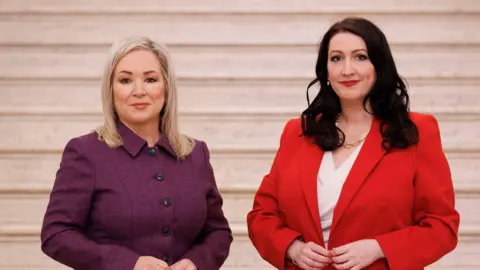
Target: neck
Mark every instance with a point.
(150, 131)
(355, 114)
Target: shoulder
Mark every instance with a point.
(292, 129)
(422, 118)
(428, 128)
(88, 139)
(78, 154)
(199, 146)
(294, 125)
(86, 144)
(292, 134)
(200, 151)
(426, 123)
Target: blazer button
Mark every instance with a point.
(166, 231)
(152, 152)
(159, 176)
(167, 202)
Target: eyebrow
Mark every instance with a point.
(144, 73)
(354, 51)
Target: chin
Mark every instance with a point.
(350, 97)
(141, 119)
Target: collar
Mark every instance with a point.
(133, 143)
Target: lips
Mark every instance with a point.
(349, 83)
(139, 105)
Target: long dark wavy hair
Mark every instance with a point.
(388, 97)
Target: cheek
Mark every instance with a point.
(157, 92)
(333, 71)
(371, 72)
(368, 74)
(371, 77)
(120, 94)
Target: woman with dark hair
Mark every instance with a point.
(359, 181)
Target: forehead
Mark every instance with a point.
(346, 42)
(139, 59)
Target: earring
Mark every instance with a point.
(328, 82)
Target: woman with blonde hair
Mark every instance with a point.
(136, 193)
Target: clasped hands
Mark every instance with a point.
(152, 263)
(353, 256)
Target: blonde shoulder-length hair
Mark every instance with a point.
(181, 144)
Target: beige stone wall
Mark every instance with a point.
(243, 67)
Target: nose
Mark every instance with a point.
(347, 68)
(138, 89)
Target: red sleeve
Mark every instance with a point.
(437, 221)
(266, 229)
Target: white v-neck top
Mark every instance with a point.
(329, 185)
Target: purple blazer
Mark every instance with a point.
(110, 206)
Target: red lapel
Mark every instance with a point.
(309, 163)
(370, 154)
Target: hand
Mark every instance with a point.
(308, 256)
(184, 264)
(356, 255)
(150, 263)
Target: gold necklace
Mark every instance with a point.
(350, 145)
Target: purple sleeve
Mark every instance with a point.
(213, 246)
(62, 234)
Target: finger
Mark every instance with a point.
(176, 266)
(317, 257)
(161, 266)
(191, 266)
(153, 266)
(359, 266)
(340, 250)
(341, 258)
(306, 267)
(344, 266)
(159, 262)
(318, 249)
(182, 265)
(307, 261)
(311, 263)
(172, 267)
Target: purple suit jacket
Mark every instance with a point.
(110, 206)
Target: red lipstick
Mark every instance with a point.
(349, 83)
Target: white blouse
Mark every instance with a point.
(329, 185)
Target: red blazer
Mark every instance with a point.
(404, 199)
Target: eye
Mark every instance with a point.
(362, 57)
(335, 58)
(151, 80)
(125, 80)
